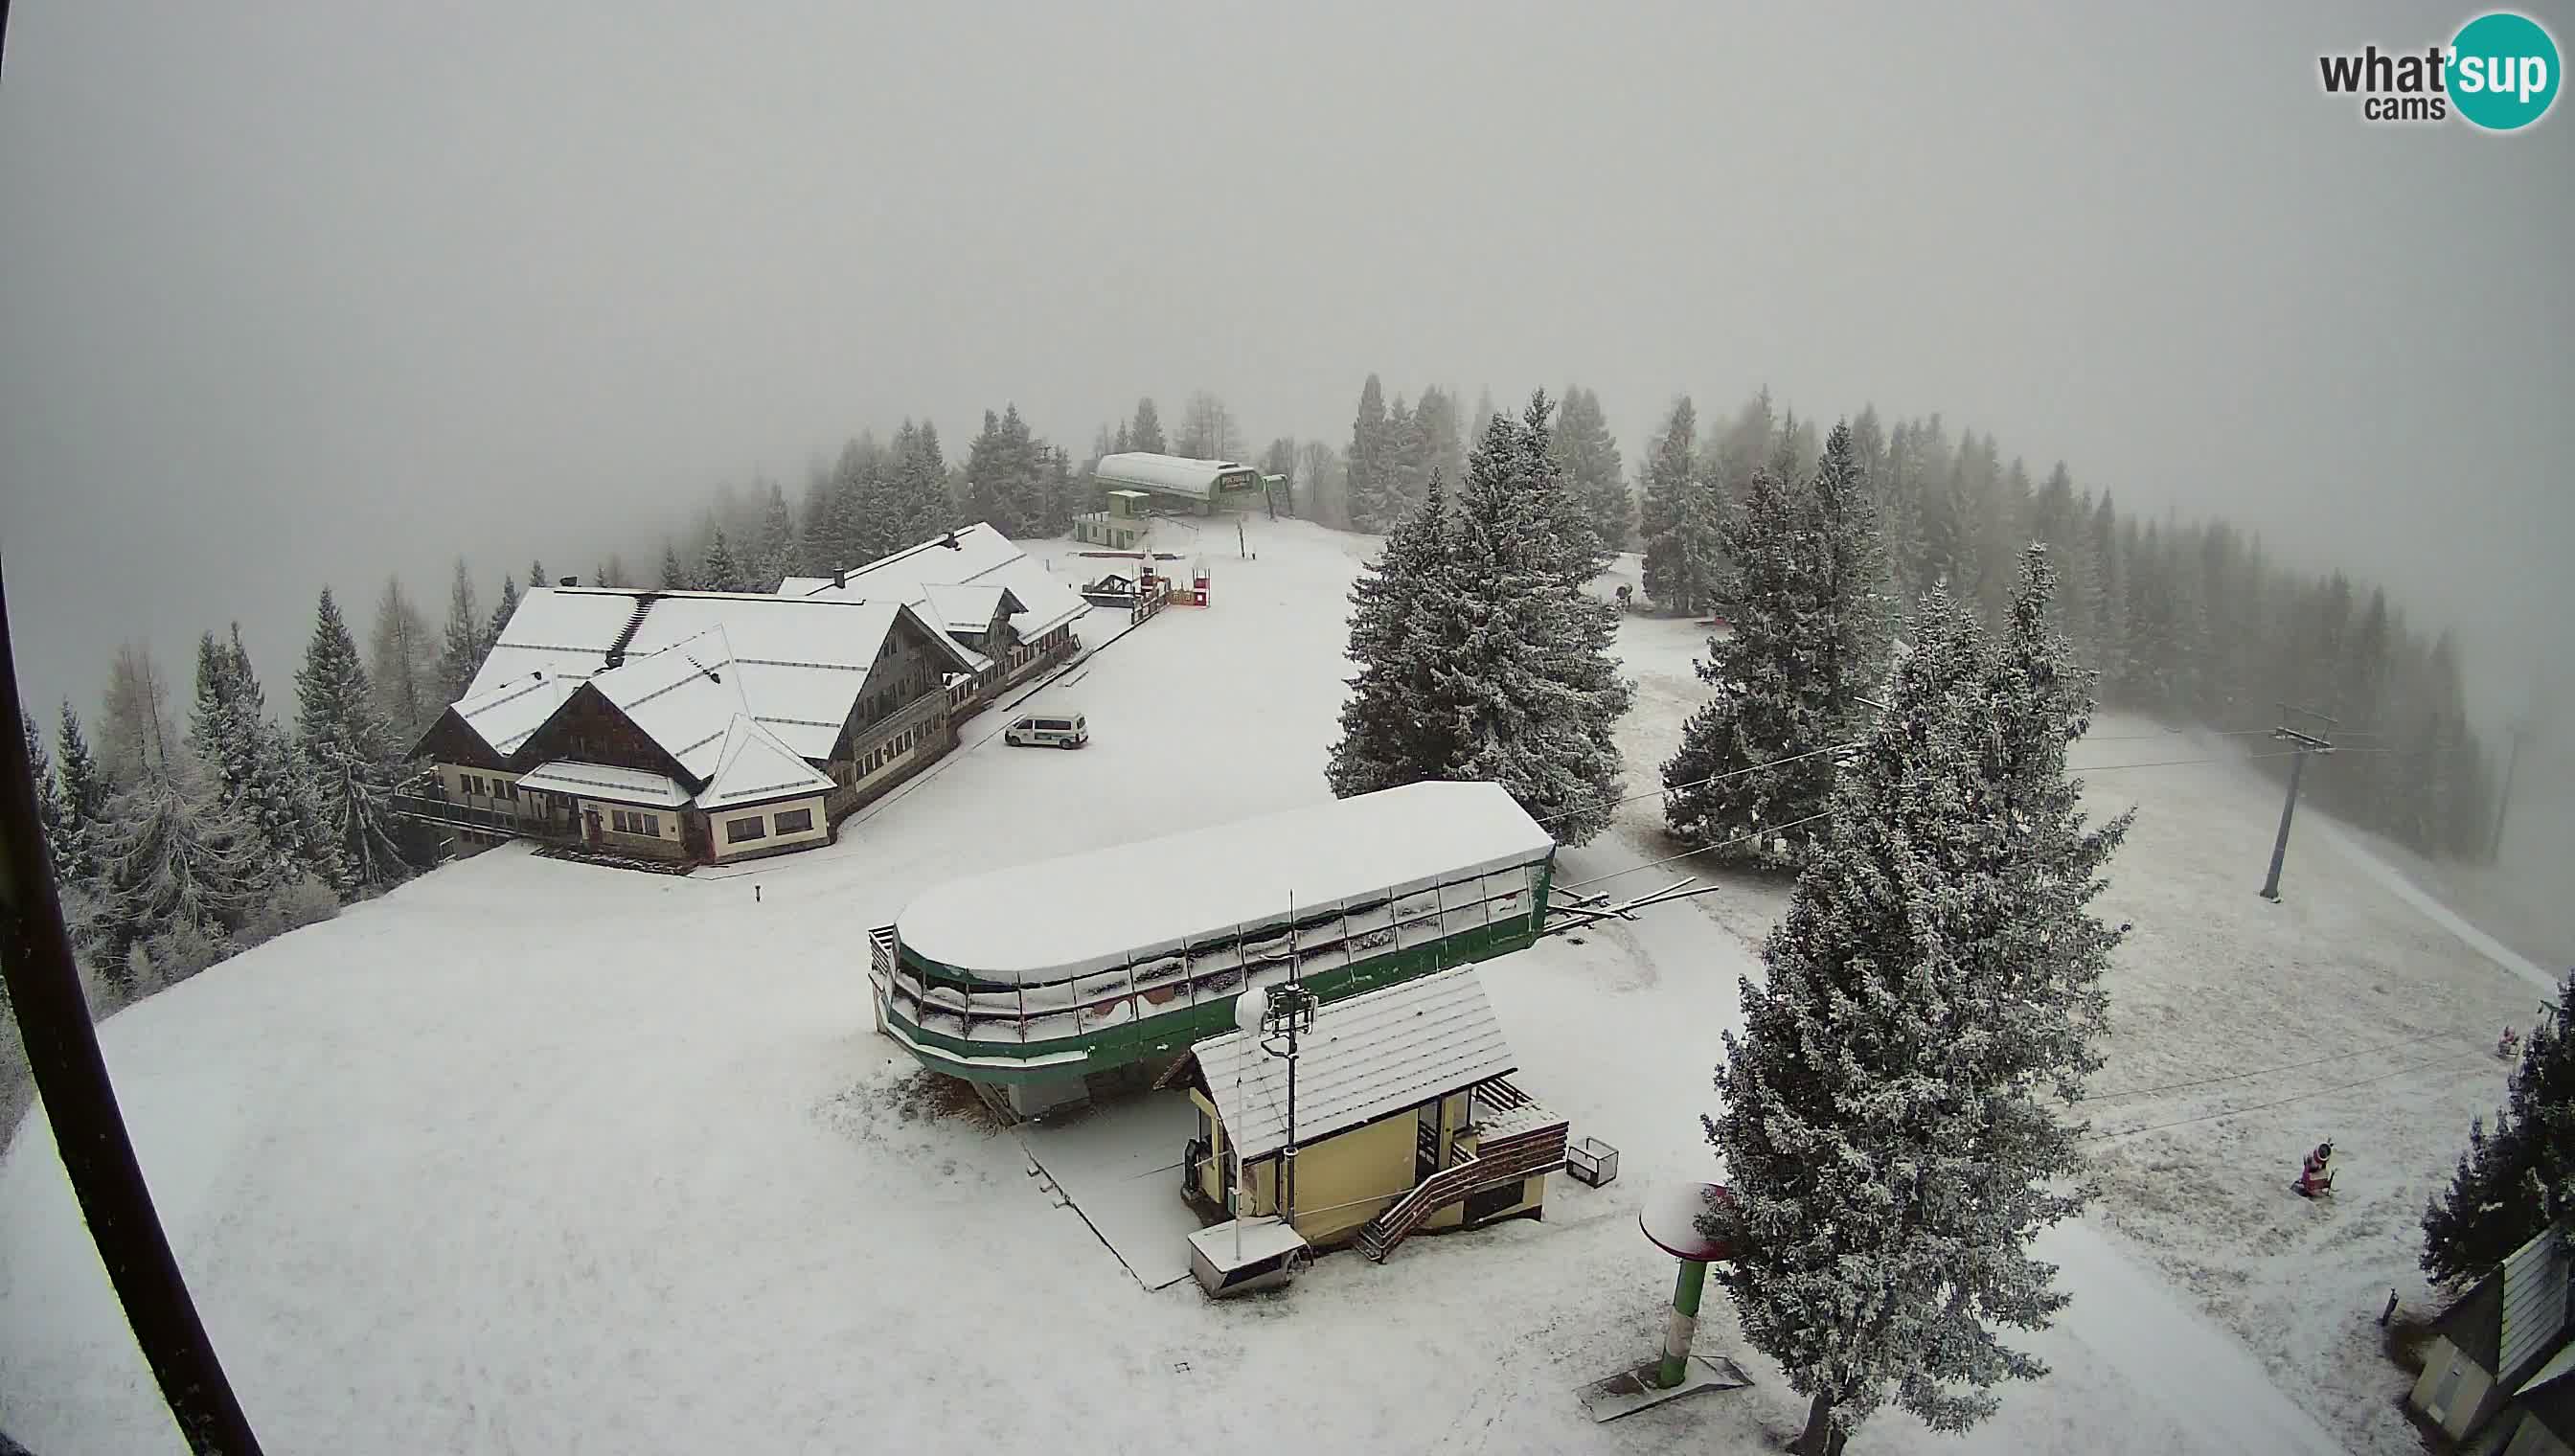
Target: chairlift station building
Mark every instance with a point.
(1030, 979)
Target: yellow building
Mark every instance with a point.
(1404, 1120)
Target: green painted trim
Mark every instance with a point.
(1175, 1030)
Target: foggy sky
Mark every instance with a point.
(295, 293)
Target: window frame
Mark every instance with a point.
(779, 821)
(759, 829)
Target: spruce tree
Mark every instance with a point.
(1887, 1121)
(1852, 585)
(460, 654)
(1750, 770)
(718, 571)
(353, 763)
(255, 771)
(174, 859)
(777, 551)
(1435, 415)
(1387, 736)
(502, 612)
(2519, 1175)
(86, 792)
(49, 792)
(537, 574)
(1375, 504)
(1145, 435)
(675, 577)
(1516, 653)
(1683, 553)
(1588, 457)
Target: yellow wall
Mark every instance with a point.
(1350, 1178)
(768, 814)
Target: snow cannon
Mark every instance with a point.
(1671, 1219)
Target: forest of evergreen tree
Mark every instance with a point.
(176, 849)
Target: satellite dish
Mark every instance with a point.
(1249, 1010)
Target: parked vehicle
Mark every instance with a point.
(1042, 730)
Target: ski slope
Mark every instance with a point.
(538, 1157)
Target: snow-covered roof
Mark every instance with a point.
(975, 555)
(1367, 1056)
(604, 780)
(683, 697)
(753, 766)
(968, 607)
(1172, 475)
(1238, 1244)
(504, 715)
(798, 662)
(1099, 907)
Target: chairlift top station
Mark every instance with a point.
(1110, 957)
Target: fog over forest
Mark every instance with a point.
(300, 293)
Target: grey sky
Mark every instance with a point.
(304, 291)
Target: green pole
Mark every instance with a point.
(1685, 1324)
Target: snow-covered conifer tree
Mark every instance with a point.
(341, 737)
(86, 792)
(1519, 678)
(1890, 1118)
(1588, 456)
(502, 612)
(1385, 739)
(460, 654)
(174, 857)
(1750, 769)
(1375, 501)
(776, 555)
(49, 790)
(675, 576)
(255, 770)
(1852, 581)
(1678, 525)
(718, 570)
(2519, 1173)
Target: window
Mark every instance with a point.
(796, 821)
(648, 824)
(737, 831)
(617, 821)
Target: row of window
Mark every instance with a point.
(634, 824)
(493, 788)
(891, 749)
(752, 827)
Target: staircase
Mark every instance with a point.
(1531, 1144)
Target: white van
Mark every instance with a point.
(1047, 731)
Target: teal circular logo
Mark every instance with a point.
(2503, 71)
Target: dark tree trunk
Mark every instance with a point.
(1817, 1440)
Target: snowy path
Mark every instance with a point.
(2413, 894)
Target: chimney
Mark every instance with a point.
(841, 579)
(569, 581)
(950, 542)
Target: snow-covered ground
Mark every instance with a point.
(538, 1157)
